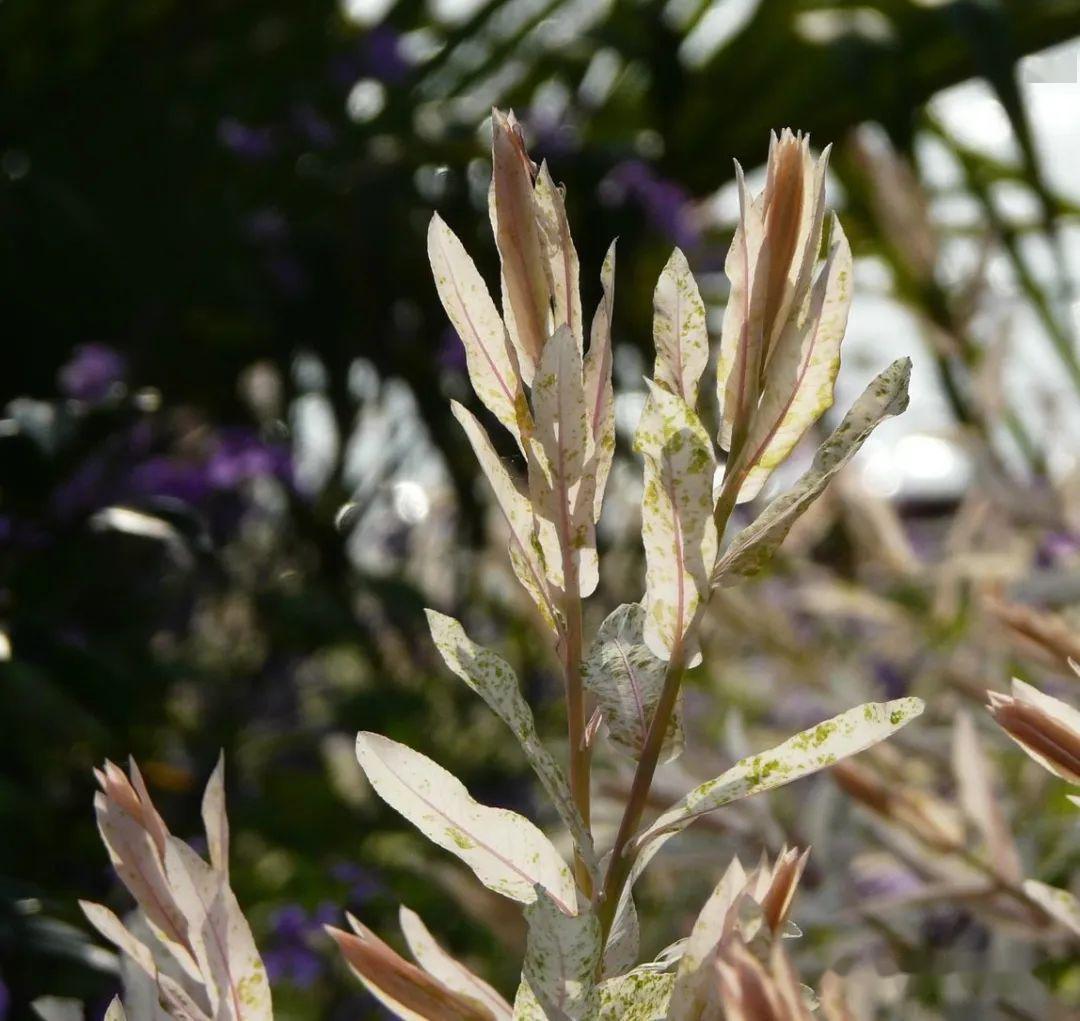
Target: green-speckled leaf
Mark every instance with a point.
(493, 369)
(677, 527)
(561, 956)
(754, 546)
(507, 852)
(493, 679)
(560, 254)
(599, 395)
(639, 995)
(626, 678)
(679, 333)
(805, 753)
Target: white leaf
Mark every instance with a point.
(526, 557)
(561, 956)
(801, 371)
(493, 679)
(679, 333)
(115, 1011)
(640, 995)
(561, 256)
(114, 930)
(677, 526)
(754, 546)
(57, 1008)
(492, 367)
(1059, 904)
(624, 940)
(451, 972)
(626, 678)
(507, 852)
(178, 1002)
(599, 395)
(807, 752)
(215, 819)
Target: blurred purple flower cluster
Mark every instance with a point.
(292, 955)
(666, 203)
(93, 373)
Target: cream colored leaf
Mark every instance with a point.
(114, 930)
(57, 1008)
(753, 547)
(624, 940)
(215, 819)
(599, 395)
(507, 852)
(115, 1011)
(493, 679)
(561, 256)
(640, 995)
(526, 557)
(677, 526)
(626, 679)
(679, 332)
(493, 369)
(1061, 905)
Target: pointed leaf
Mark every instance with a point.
(114, 930)
(560, 254)
(754, 546)
(640, 995)
(446, 969)
(561, 957)
(599, 395)
(493, 679)
(1061, 905)
(507, 852)
(215, 819)
(679, 333)
(492, 366)
(626, 679)
(677, 525)
(805, 753)
(526, 557)
(624, 940)
(115, 1011)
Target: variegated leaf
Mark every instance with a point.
(677, 526)
(626, 679)
(448, 970)
(493, 368)
(807, 752)
(507, 852)
(679, 332)
(624, 940)
(639, 995)
(114, 930)
(801, 371)
(562, 430)
(599, 395)
(526, 557)
(561, 956)
(1060, 905)
(493, 679)
(526, 296)
(215, 819)
(560, 254)
(754, 546)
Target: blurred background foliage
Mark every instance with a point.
(229, 482)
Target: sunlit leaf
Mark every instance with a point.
(1061, 905)
(599, 396)
(639, 995)
(115, 1011)
(507, 852)
(561, 256)
(215, 819)
(679, 332)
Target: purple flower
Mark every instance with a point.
(92, 373)
(172, 477)
(241, 456)
(666, 203)
(382, 55)
(363, 884)
(1056, 547)
(254, 144)
(291, 956)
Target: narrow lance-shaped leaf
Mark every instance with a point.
(753, 547)
(526, 298)
(215, 819)
(115, 1011)
(640, 995)
(493, 679)
(677, 526)
(599, 395)
(561, 956)
(679, 333)
(805, 753)
(561, 255)
(624, 940)
(801, 371)
(1045, 727)
(507, 852)
(493, 368)
(626, 678)
(446, 969)
(526, 557)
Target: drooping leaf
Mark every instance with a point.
(677, 526)
(492, 366)
(679, 332)
(753, 547)
(526, 557)
(1060, 905)
(507, 852)
(639, 995)
(801, 371)
(561, 256)
(526, 295)
(561, 956)
(626, 679)
(493, 679)
(807, 752)
(448, 970)
(599, 395)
